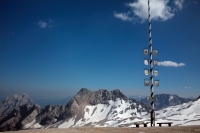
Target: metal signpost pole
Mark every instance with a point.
(151, 70)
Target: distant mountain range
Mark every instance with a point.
(9, 103)
(52, 100)
(137, 97)
(165, 100)
(99, 108)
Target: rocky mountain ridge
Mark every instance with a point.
(165, 100)
(86, 97)
(19, 117)
(11, 102)
(94, 108)
(104, 103)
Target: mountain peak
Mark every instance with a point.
(87, 97)
(24, 94)
(101, 96)
(11, 102)
(84, 90)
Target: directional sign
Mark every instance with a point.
(152, 98)
(155, 72)
(156, 83)
(146, 82)
(146, 61)
(146, 51)
(155, 63)
(155, 52)
(146, 71)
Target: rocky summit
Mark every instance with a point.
(87, 97)
(11, 102)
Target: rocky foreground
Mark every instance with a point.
(175, 129)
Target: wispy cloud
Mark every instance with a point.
(187, 87)
(123, 16)
(170, 64)
(42, 24)
(45, 24)
(160, 10)
(179, 3)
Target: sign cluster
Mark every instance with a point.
(147, 70)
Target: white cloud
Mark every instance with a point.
(123, 16)
(170, 64)
(46, 24)
(179, 3)
(160, 10)
(42, 24)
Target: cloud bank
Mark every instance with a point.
(160, 10)
(170, 64)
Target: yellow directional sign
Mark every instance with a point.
(152, 98)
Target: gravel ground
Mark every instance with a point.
(175, 129)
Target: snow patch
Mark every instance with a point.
(121, 112)
(170, 98)
(36, 125)
(67, 124)
(29, 124)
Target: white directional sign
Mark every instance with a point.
(146, 61)
(146, 71)
(155, 72)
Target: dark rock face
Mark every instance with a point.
(165, 100)
(50, 114)
(9, 103)
(86, 97)
(19, 117)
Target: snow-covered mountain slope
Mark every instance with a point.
(101, 108)
(115, 113)
(120, 113)
(184, 114)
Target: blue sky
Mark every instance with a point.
(54, 48)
